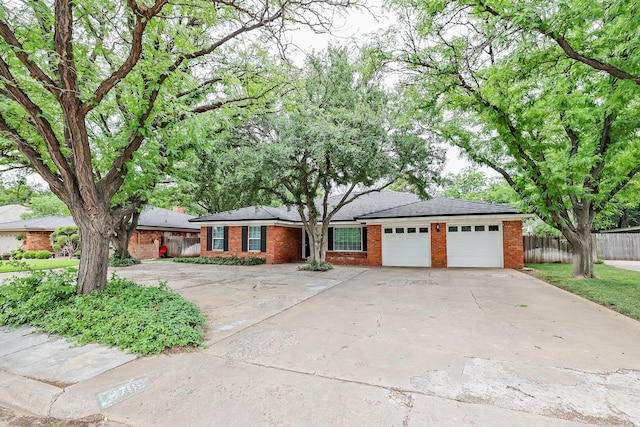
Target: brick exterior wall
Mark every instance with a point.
(438, 245)
(374, 244)
(347, 258)
(37, 241)
(284, 244)
(513, 247)
(144, 251)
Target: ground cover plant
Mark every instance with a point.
(315, 265)
(231, 260)
(36, 264)
(138, 319)
(613, 287)
(116, 260)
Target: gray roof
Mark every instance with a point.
(151, 217)
(376, 205)
(9, 213)
(48, 223)
(440, 206)
(252, 213)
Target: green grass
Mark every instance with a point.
(615, 288)
(36, 264)
(139, 319)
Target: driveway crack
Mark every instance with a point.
(475, 299)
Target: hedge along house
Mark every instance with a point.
(155, 225)
(384, 228)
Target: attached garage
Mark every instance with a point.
(474, 245)
(406, 246)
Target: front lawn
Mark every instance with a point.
(36, 264)
(614, 288)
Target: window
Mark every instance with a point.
(399, 230)
(218, 238)
(411, 230)
(424, 229)
(254, 238)
(479, 228)
(347, 239)
(453, 228)
(388, 230)
(466, 228)
(494, 228)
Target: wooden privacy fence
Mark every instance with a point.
(607, 246)
(182, 247)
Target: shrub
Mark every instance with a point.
(144, 320)
(66, 240)
(43, 255)
(116, 260)
(231, 260)
(314, 265)
(29, 255)
(17, 253)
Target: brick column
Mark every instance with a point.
(512, 244)
(439, 245)
(374, 245)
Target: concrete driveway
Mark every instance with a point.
(380, 346)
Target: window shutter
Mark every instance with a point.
(225, 242)
(263, 238)
(245, 237)
(330, 239)
(209, 237)
(364, 239)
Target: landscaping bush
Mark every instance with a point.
(231, 260)
(16, 253)
(316, 266)
(29, 255)
(116, 261)
(43, 255)
(140, 319)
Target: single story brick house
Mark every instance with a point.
(155, 225)
(382, 228)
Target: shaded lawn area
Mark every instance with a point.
(614, 288)
(37, 264)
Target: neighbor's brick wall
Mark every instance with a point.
(513, 248)
(144, 251)
(439, 246)
(37, 241)
(374, 244)
(145, 237)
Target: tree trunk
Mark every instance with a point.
(95, 235)
(581, 242)
(124, 230)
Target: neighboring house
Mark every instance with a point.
(382, 228)
(154, 227)
(8, 213)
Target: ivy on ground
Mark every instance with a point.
(138, 319)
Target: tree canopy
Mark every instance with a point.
(544, 93)
(94, 94)
(339, 132)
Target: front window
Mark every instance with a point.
(254, 238)
(347, 239)
(218, 238)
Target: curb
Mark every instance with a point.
(27, 395)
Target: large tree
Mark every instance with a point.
(339, 133)
(545, 93)
(85, 85)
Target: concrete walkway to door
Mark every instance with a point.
(377, 347)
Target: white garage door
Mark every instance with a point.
(474, 245)
(406, 246)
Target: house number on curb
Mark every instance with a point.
(108, 398)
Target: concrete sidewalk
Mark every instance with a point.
(626, 265)
(354, 346)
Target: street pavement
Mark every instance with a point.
(350, 347)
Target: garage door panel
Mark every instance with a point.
(473, 248)
(403, 249)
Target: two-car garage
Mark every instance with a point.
(467, 245)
